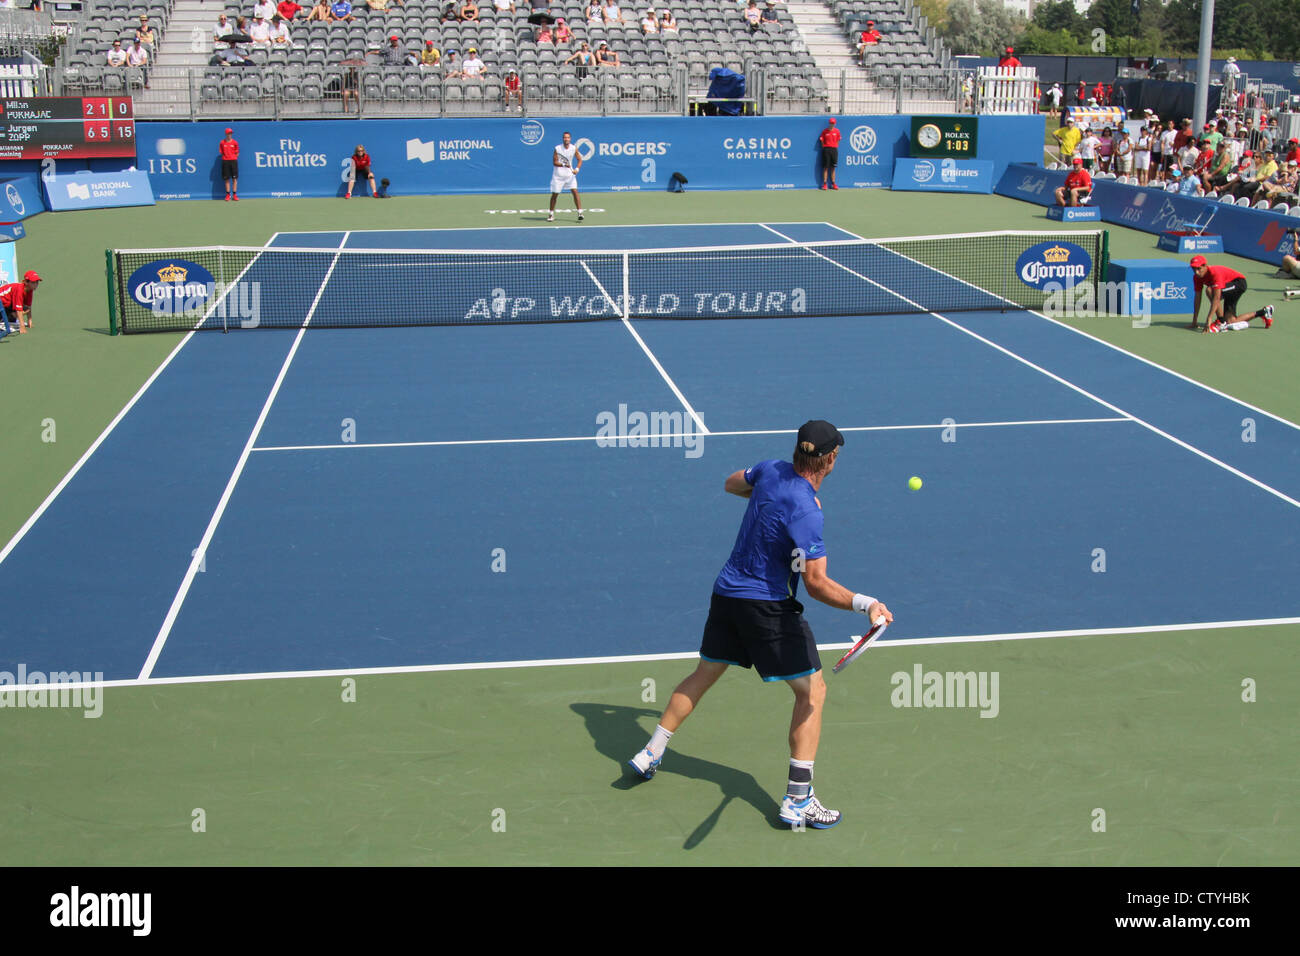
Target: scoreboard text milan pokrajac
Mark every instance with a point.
(67, 127)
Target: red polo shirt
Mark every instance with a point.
(1216, 277)
(16, 296)
(830, 136)
(229, 149)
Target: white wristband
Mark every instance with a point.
(862, 603)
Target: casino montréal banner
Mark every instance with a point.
(513, 155)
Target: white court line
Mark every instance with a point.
(1088, 335)
(591, 228)
(669, 436)
(631, 658)
(699, 422)
(1068, 384)
(72, 472)
(172, 612)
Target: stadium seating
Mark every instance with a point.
(659, 73)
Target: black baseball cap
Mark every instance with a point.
(823, 436)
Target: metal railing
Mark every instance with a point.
(298, 92)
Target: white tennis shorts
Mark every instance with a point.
(1142, 160)
(563, 179)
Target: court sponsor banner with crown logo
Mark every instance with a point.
(1063, 263)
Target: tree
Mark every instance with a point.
(982, 28)
(1054, 15)
(935, 11)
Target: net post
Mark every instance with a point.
(112, 292)
(627, 285)
(1105, 255)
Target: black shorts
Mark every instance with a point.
(229, 169)
(830, 156)
(1230, 294)
(770, 636)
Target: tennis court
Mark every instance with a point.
(290, 502)
(357, 499)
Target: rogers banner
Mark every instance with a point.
(513, 155)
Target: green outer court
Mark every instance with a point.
(1151, 728)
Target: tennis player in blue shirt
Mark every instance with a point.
(755, 620)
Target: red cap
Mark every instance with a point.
(831, 121)
(1078, 161)
(1010, 50)
(229, 130)
(31, 276)
(1293, 140)
(1198, 261)
(394, 37)
(1247, 153)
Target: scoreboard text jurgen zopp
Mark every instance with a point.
(949, 137)
(69, 127)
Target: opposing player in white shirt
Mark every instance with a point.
(565, 163)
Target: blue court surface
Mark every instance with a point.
(285, 501)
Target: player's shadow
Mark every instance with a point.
(618, 736)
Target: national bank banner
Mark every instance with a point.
(130, 187)
(441, 156)
(1252, 233)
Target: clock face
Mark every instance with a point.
(928, 136)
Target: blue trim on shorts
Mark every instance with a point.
(793, 676)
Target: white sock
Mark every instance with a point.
(1238, 326)
(659, 741)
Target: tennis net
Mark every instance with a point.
(157, 290)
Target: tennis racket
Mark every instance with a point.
(867, 640)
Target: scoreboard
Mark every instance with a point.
(69, 127)
(944, 136)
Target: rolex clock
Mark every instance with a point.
(944, 136)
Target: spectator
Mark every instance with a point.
(1265, 175)
(1168, 148)
(1292, 150)
(380, 5)
(1291, 263)
(16, 302)
(869, 37)
(1175, 180)
(342, 10)
(1109, 98)
(1283, 189)
(1088, 149)
(430, 57)
(1123, 154)
(584, 58)
(1188, 184)
(1216, 177)
(360, 168)
(1008, 60)
(280, 32)
(769, 14)
(612, 12)
(544, 34)
(1054, 99)
(1187, 155)
(116, 56)
(1105, 145)
(752, 16)
(260, 31)
(1099, 92)
(474, 68)
(1239, 177)
(1142, 155)
(607, 57)
(448, 12)
(350, 86)
(562, 32)
(1081, 95)
(222, 28)
(668, 23)
(145, 34)
(321, 12)
(1204, 159)
(231, 56)
(452, 66)
(264, 9)
(1068, 136)
(138, 57)
(595, 15)
(1120, 99)
(287, 9)
(228, 149)
(394, 55)
(514, 90)
(649, 24)
(504, 6)
(468, 12)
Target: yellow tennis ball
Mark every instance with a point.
(914, 483)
